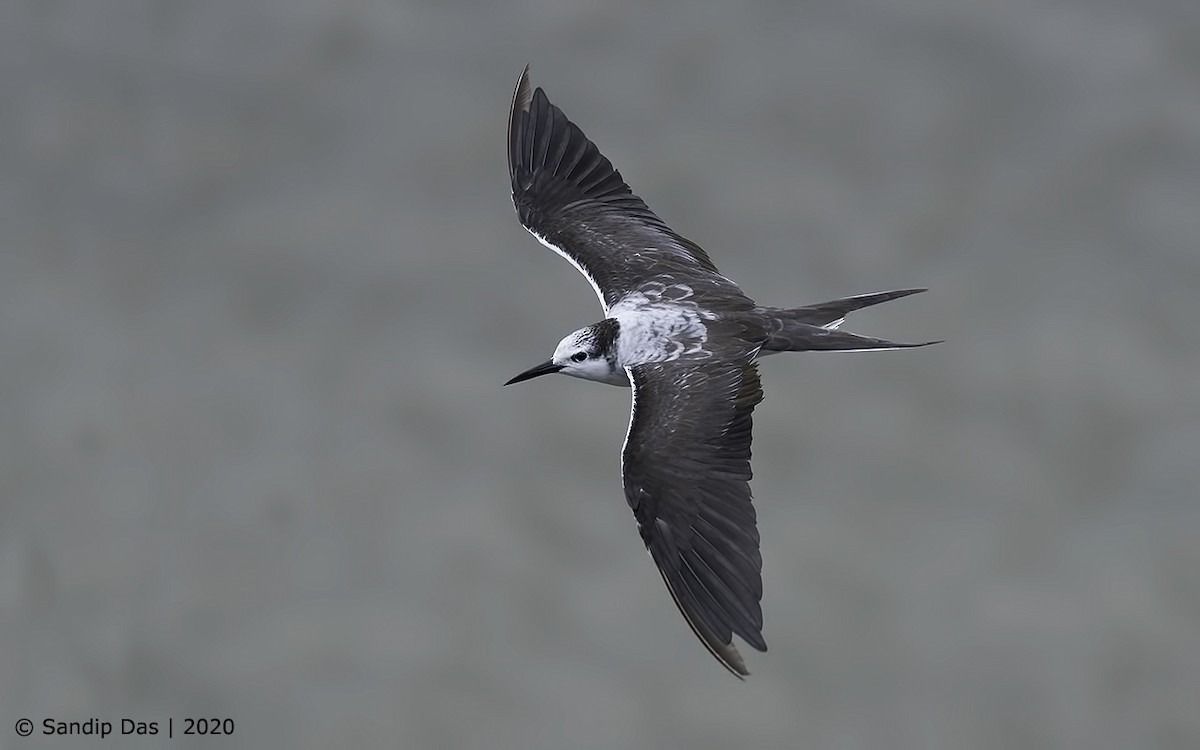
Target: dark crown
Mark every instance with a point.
(605, 333)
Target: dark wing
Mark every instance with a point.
(568, 195)
(686, 466)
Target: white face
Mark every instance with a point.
(581, 358)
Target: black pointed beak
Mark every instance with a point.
(545, 368)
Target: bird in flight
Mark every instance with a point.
(686, 339)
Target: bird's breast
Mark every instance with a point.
(658, 331)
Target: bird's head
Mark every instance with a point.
(589, 353)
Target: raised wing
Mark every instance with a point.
(569, 196)
(686, 467)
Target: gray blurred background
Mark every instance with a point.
(260, 282)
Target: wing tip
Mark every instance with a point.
(522, 94)
(726, 653)
(521, 101)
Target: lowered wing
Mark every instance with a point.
(686, 469)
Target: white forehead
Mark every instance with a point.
(572, 343)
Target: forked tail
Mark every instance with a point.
(815, 327)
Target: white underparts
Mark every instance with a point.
(658, 325)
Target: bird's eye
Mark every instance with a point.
(578, 356)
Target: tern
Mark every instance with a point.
(686, 339)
